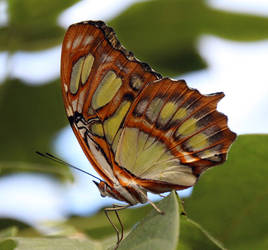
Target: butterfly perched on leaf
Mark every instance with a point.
(141, 132)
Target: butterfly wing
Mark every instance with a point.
(171, 135)
(100, 80)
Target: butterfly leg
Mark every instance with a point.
(152, 204)
(155, 207)
(115, 209)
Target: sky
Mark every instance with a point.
(245, 103)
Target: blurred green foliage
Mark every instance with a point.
(32, 25)
(163, 33)
(229, 201)
(166, 33)
(154, 231)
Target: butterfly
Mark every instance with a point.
(141, 132)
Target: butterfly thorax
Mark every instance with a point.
(132, 194)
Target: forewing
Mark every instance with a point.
(100, 80)
(173, 133)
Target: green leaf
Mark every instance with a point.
(32, 117)
(7, 244)
(39, 28)
(231, 200)
(156, 231)
(59, 172)
(14, 227)
(98, 227)
(165, 34)
(193, 236)
(56, 244)
(9, 232)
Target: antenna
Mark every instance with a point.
(62, 162)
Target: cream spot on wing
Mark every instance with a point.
(69, 111)
(135, 82)
(189, 158)
(87, 40)
(74, 104)
(77, 41)
(154, 108)
(68, 44)
(119, 65)
(141, 106)
(65, 87)
(210, 154)
(106, 58)
(106, 90)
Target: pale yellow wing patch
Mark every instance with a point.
(148, 158)
(111, 125)
(106, 90)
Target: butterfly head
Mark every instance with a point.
(104, 188)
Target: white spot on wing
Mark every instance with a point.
(68, 44)
(74, 104)
(140, 108)
(81, 128)
(189, 158)
(119, 65)
(87, 40)
(77, 41)
(69, 111)
(65, 87)
(106, 58)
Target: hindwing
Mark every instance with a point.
(171, 135)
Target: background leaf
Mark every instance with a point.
(156, 231)
(98, 227)
(32, 25)
(22, 229)
(7, 244)
(231, 201)
(28, 114)
(33, 115)
(166, 33)
(193, 236)
(56, 244)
